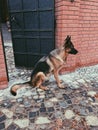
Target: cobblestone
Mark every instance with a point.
(2, 117)
(69, 114)
(42, 120)
(2, 126)
(22, 123)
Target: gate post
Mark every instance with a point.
(3, 72)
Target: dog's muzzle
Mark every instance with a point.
(73, 51)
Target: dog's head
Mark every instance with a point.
(69, 47)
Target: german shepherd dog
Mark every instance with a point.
(47, 65)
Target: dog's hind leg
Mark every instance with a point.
(38, 80)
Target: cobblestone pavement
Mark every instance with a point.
(72, 108)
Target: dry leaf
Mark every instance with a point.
(96, 96)
(83, 121)
(59, 122)
(56, 128)
(74, 124)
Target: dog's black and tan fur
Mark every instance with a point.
(47, 65)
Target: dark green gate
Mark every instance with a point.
(32, 27)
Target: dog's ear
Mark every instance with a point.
(67, 41)
(68, 38)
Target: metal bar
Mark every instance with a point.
(24, 32)
(26, 11)
(32, 30)
(39, 23)
(22, 37)
(35, 54)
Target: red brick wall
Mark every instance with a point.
(80, 20)
(3, 75)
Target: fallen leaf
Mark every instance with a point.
(83, 121)
(56, 128)
(96, 96)
(59, 122)
(74, 124)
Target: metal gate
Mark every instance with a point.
(32, 28)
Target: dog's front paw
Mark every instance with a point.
(46, 88)
(61, 86)
(43, 88)
(61, 81)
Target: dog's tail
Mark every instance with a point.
(15, 87)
